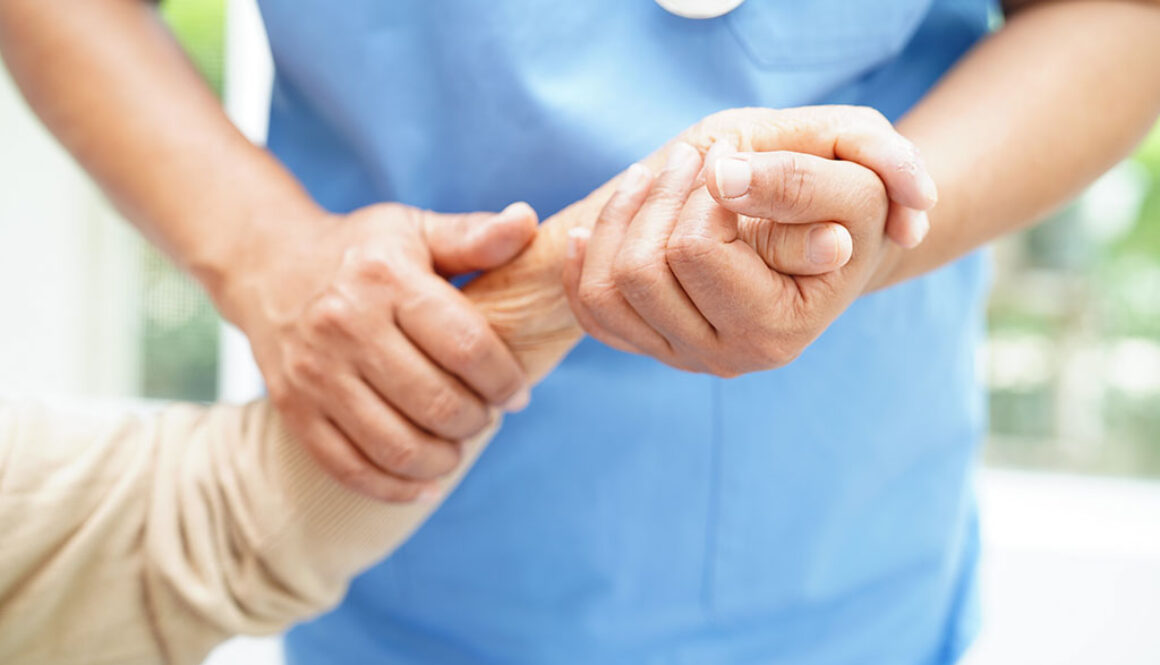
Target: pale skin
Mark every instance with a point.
(1014, 130)
(270, 257)
(377, 364)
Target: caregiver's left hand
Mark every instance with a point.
(670, 272)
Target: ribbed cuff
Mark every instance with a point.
(330, 532)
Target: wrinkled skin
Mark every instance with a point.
(526, 301)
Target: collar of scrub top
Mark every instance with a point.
(700, 8)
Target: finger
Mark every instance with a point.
(640, 269)
(339, 456)
(384, 436)
(462, 243)
(705, 248)
(798, 249)
(422, 392)
(791, 188)
(442, 323)
(570, 276)
(906, 226)
(853, 133)
(613, 320)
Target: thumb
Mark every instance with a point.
(462, 243)
(857, 134)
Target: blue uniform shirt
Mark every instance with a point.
(820, 514)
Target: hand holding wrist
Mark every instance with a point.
(377, 363)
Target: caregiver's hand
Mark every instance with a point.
(377, 363)
(854, 133)
(671, 273)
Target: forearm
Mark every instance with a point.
(246, 533)
(110, 82)
(1029, 118)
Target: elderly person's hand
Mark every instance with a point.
(741, 273)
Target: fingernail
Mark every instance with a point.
(518, 401)
(516, 210)
(575, 237)
(920, 229)
(928, 189)
(822, 246)
(680, 155)
(733, 177)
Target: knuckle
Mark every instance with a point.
(330, 314)
(282, 398)
(371, 267)
(685, 248)
(359, 477)
(768, 239)
(871, 115)
(304, 367)
(791, 184)
(595, 296)
(668, 190)
(444, 406)
(469, 347)
(399, 455)
(621, 206)
(636, 271)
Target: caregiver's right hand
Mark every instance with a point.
(377, 363)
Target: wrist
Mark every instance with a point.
(234, 267)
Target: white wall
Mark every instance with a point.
(67, 270)
(249, 76)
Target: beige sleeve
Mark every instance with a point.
(151, 538)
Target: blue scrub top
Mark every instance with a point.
(820, 514)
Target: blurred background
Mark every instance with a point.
(1071, 491)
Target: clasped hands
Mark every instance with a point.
(734, 262)
(727, 251)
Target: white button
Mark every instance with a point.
(700, 8)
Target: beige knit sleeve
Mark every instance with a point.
(151, 538)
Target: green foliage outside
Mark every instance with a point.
(1091, 304)
(200, 27)
(180, 326)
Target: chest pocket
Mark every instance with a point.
(792, 34)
